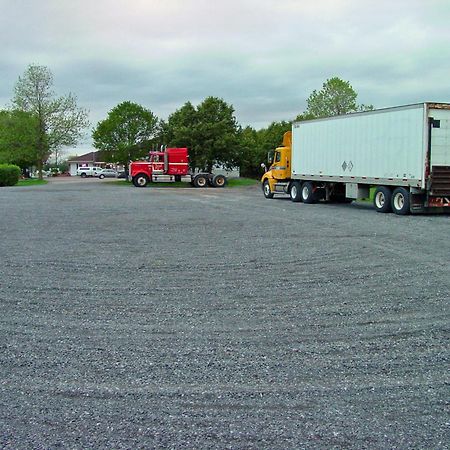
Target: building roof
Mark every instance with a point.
(88, 157)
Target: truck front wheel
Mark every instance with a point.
(400, 201)
(140, 180)
(308, 193)
(382, 199)
(295, 192)
(266, 189)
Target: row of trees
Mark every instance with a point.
(39, 124)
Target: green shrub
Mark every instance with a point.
(9, 174)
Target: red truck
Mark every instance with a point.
(172, 164)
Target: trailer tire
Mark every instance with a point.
(140, 180)
(308, 193)
(295, 191)
(219, 181)
(400, 201)
(266, 189)
(382, 199)
(200, 181)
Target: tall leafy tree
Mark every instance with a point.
(256, 145)
(336, 97)
(126, 133)
(251, 155)
(60, 122)
(19, 138)
(210, 131)
(217, 134)
(179, 130)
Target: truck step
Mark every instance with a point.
(281, 187)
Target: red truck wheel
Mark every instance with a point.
(140, 180)
(219, 181)
(200, 181)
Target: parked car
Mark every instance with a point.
(107, 173)
(84, 172)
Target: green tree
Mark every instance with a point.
(127, 133)
(60, 122)
(251, 156)
(256, 145)
(18, 138)
(210, 131)
(336, 97)
(272, 136)
(179, 130)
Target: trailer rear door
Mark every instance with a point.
(440, 136)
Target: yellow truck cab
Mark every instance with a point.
(278, 177)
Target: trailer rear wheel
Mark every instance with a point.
(308, 193)
(140, 180)
(401, 201)
(219, 181)
(200, 181)
(295, 192)
(382, 199)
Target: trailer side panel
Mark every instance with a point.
(377, 145)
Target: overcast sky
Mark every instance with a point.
(265, 57)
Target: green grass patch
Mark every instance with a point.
(31, 182)
(242, 182)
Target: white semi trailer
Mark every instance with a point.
(403, 152)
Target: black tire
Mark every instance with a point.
(140, 180)
(200, 181)
(266, 189)
(101, 177)
(296, 191)
(177, 178)
(308, 193)
(382, 199)
(400, 201)
(219, 181)
(83, 175)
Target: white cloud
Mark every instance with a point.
(265, 57)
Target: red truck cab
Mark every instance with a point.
(171, 165)
(173, 162)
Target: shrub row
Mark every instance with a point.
(9, 174)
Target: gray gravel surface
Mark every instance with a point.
(196, 319)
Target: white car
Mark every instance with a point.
(84, 172)
(107, 173)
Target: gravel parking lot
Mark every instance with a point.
(197, 319)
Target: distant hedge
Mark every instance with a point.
(9, 174)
